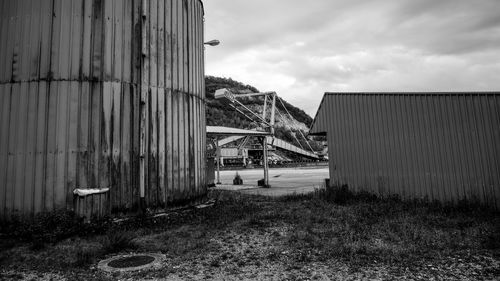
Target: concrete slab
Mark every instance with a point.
(283, 181)
(234, 187)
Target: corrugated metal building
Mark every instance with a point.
(100, 94)
(439, 146)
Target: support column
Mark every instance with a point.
(266, 166)
(217, 151)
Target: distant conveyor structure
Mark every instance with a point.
(276, 142)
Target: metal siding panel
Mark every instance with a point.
(333, 133)
(4, 33)
(396, 146)
(348, 160)
(72, 146)
(108, 39)
(191, 154)
(84, 137)
(182, 148)
(12, 146)
(370, 152)
(95, 134)
(20, 153)
(161, 147)
(175, 46)
(45, 57)
(447, 154)
(169, 147)
(480, 153)
(450, 135)
(97, 47)
(391, 180)
(433, 166)
(5, 100)
(495, 103)
(75, 37)
(196, 143)
(105, 156)
(61, 139)
(343, 163)
(34, 50)
(51, 146)
(426, 146)
(160, 15)
(175, 146)
(41, 147)
(127, 29)
(382, 162)
(55, 41)
(403, 144)
(488, 149)
(116, 143)
(153, 147)
(494, 109)
(12, 32)
(30, 149)
(126, 173)
(464, 145)
(459, 147)
(434, 136)
(24, 59)
(86, 54)
(117, 41)
(355, 130)
(169, 43)
(454, 160)
(472, 187)
(153, 43)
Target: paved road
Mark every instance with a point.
(282, 180)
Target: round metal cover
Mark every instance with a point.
(131, 262)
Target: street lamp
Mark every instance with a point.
(214, 42)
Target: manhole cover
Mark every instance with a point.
(131, 262)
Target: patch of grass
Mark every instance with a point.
(50, 227)
(289, 232)
(118, 240)
(85, 256)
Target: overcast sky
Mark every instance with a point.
(301, 49)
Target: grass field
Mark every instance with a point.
(297, 237)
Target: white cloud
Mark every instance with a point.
(302, 49)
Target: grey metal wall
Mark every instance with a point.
(440, 146)
(75, 78)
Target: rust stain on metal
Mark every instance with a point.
(71, 80)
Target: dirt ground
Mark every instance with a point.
(245, 237)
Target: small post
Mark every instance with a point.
(266, 166)
(217, 151)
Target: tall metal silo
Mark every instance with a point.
(100, 94)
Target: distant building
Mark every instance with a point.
(435, 146)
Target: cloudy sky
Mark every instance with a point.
(301, 49)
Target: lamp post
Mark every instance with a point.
(212, 43)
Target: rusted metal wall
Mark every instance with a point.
(439, 146)
(75, 77)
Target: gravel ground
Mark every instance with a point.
(261, 239)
